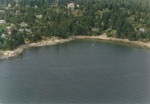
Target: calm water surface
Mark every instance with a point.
(77, 73)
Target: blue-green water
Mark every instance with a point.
(77, 73)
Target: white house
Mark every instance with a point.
(2, 11)
(9, 5)
(3, 36)
(23, 24)
(35, 6)
(95, 29)
(71, 5)
(17, 11)
(8, 27)
(17, 5)
(78, 5)
(9, 32)
(21, 30)
(12, 25)
(39, 16)
(142, 30)
(2, 21)
(28, 30)
(142, 20)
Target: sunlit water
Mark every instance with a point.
(77, 73)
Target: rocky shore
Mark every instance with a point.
(55, 40)
(14, 53)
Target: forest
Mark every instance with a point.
(27, 21)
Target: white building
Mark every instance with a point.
(142, 20)
(8, 27)
(17, 11)
(17, 5)
(2, 11)
(78, 5)
(3, 36)
(39, 16)
(21, 30)
(2, 21)
(142, 30)
(9, 32)
(23, 24)
(9, 5)
(95, 29)
(71, 5)
(35, 6)
(28, 30)
(12, 25)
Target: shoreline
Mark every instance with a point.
(105, 37)
(55, 40)
(47, 42)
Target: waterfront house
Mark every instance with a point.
(53, 5)
(95, 29)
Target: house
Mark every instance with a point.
(9, 32)
(141, 20)
(71, 5)
(2, 21)
(2, 11)
(78, 5)
(21, 30)
(35, 6)
(17, 5)
(12, 25)
(95, 29)
(23, 24)
(8, 27)
(3, 36)
(28, 30)
(39, 16)
(52, 6)
(9, 5)
(17, 11)
(37, 21)
(142, 30)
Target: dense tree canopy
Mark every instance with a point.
(46, 18)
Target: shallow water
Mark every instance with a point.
(77, 73)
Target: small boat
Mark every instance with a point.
(93, 44)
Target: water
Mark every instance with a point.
(77, 73)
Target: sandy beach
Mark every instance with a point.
(55, 40)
